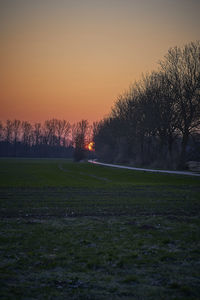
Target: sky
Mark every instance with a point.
(71, 59)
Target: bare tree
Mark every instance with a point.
(62, 130)
(16, 130)
(1, 131)
(80, 134)
(158, 105)
(50, 132)
(156, 111)
(182, 69)
(26, 133)
(37, 132)
(8, 129)
(16, 126)
(24, 139)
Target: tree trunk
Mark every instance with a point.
(182, 162)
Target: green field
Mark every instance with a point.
(80, 231)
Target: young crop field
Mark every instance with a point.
(82, 231)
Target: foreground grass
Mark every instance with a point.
(78, 231)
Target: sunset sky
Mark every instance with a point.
(70, 59)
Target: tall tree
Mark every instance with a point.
(16, 130)
(80, 134)
(37, 132)
(50, 132)
(16, 126)
(182, 69)
(8, 129)
(62, 130)
(1, 131)
(26, 133)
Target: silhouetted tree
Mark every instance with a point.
(8, 129)
(26, 133)
(62, 130)
(80, 134)
(37, 132)
(25, 139)
(148, 121)
(16, 126)
(1, 131)
(182, 69)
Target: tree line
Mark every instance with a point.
(156, 122)
(53, 138)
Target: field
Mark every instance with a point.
(80, 231)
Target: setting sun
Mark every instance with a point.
(90, 146)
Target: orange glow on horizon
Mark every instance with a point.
(72, 59)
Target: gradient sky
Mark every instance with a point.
(71, 58)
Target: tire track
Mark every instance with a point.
(104, 179)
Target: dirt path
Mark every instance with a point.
(145, 170)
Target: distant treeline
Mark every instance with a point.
(157, 121)
(53, 138)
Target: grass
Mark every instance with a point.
(79, 231)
